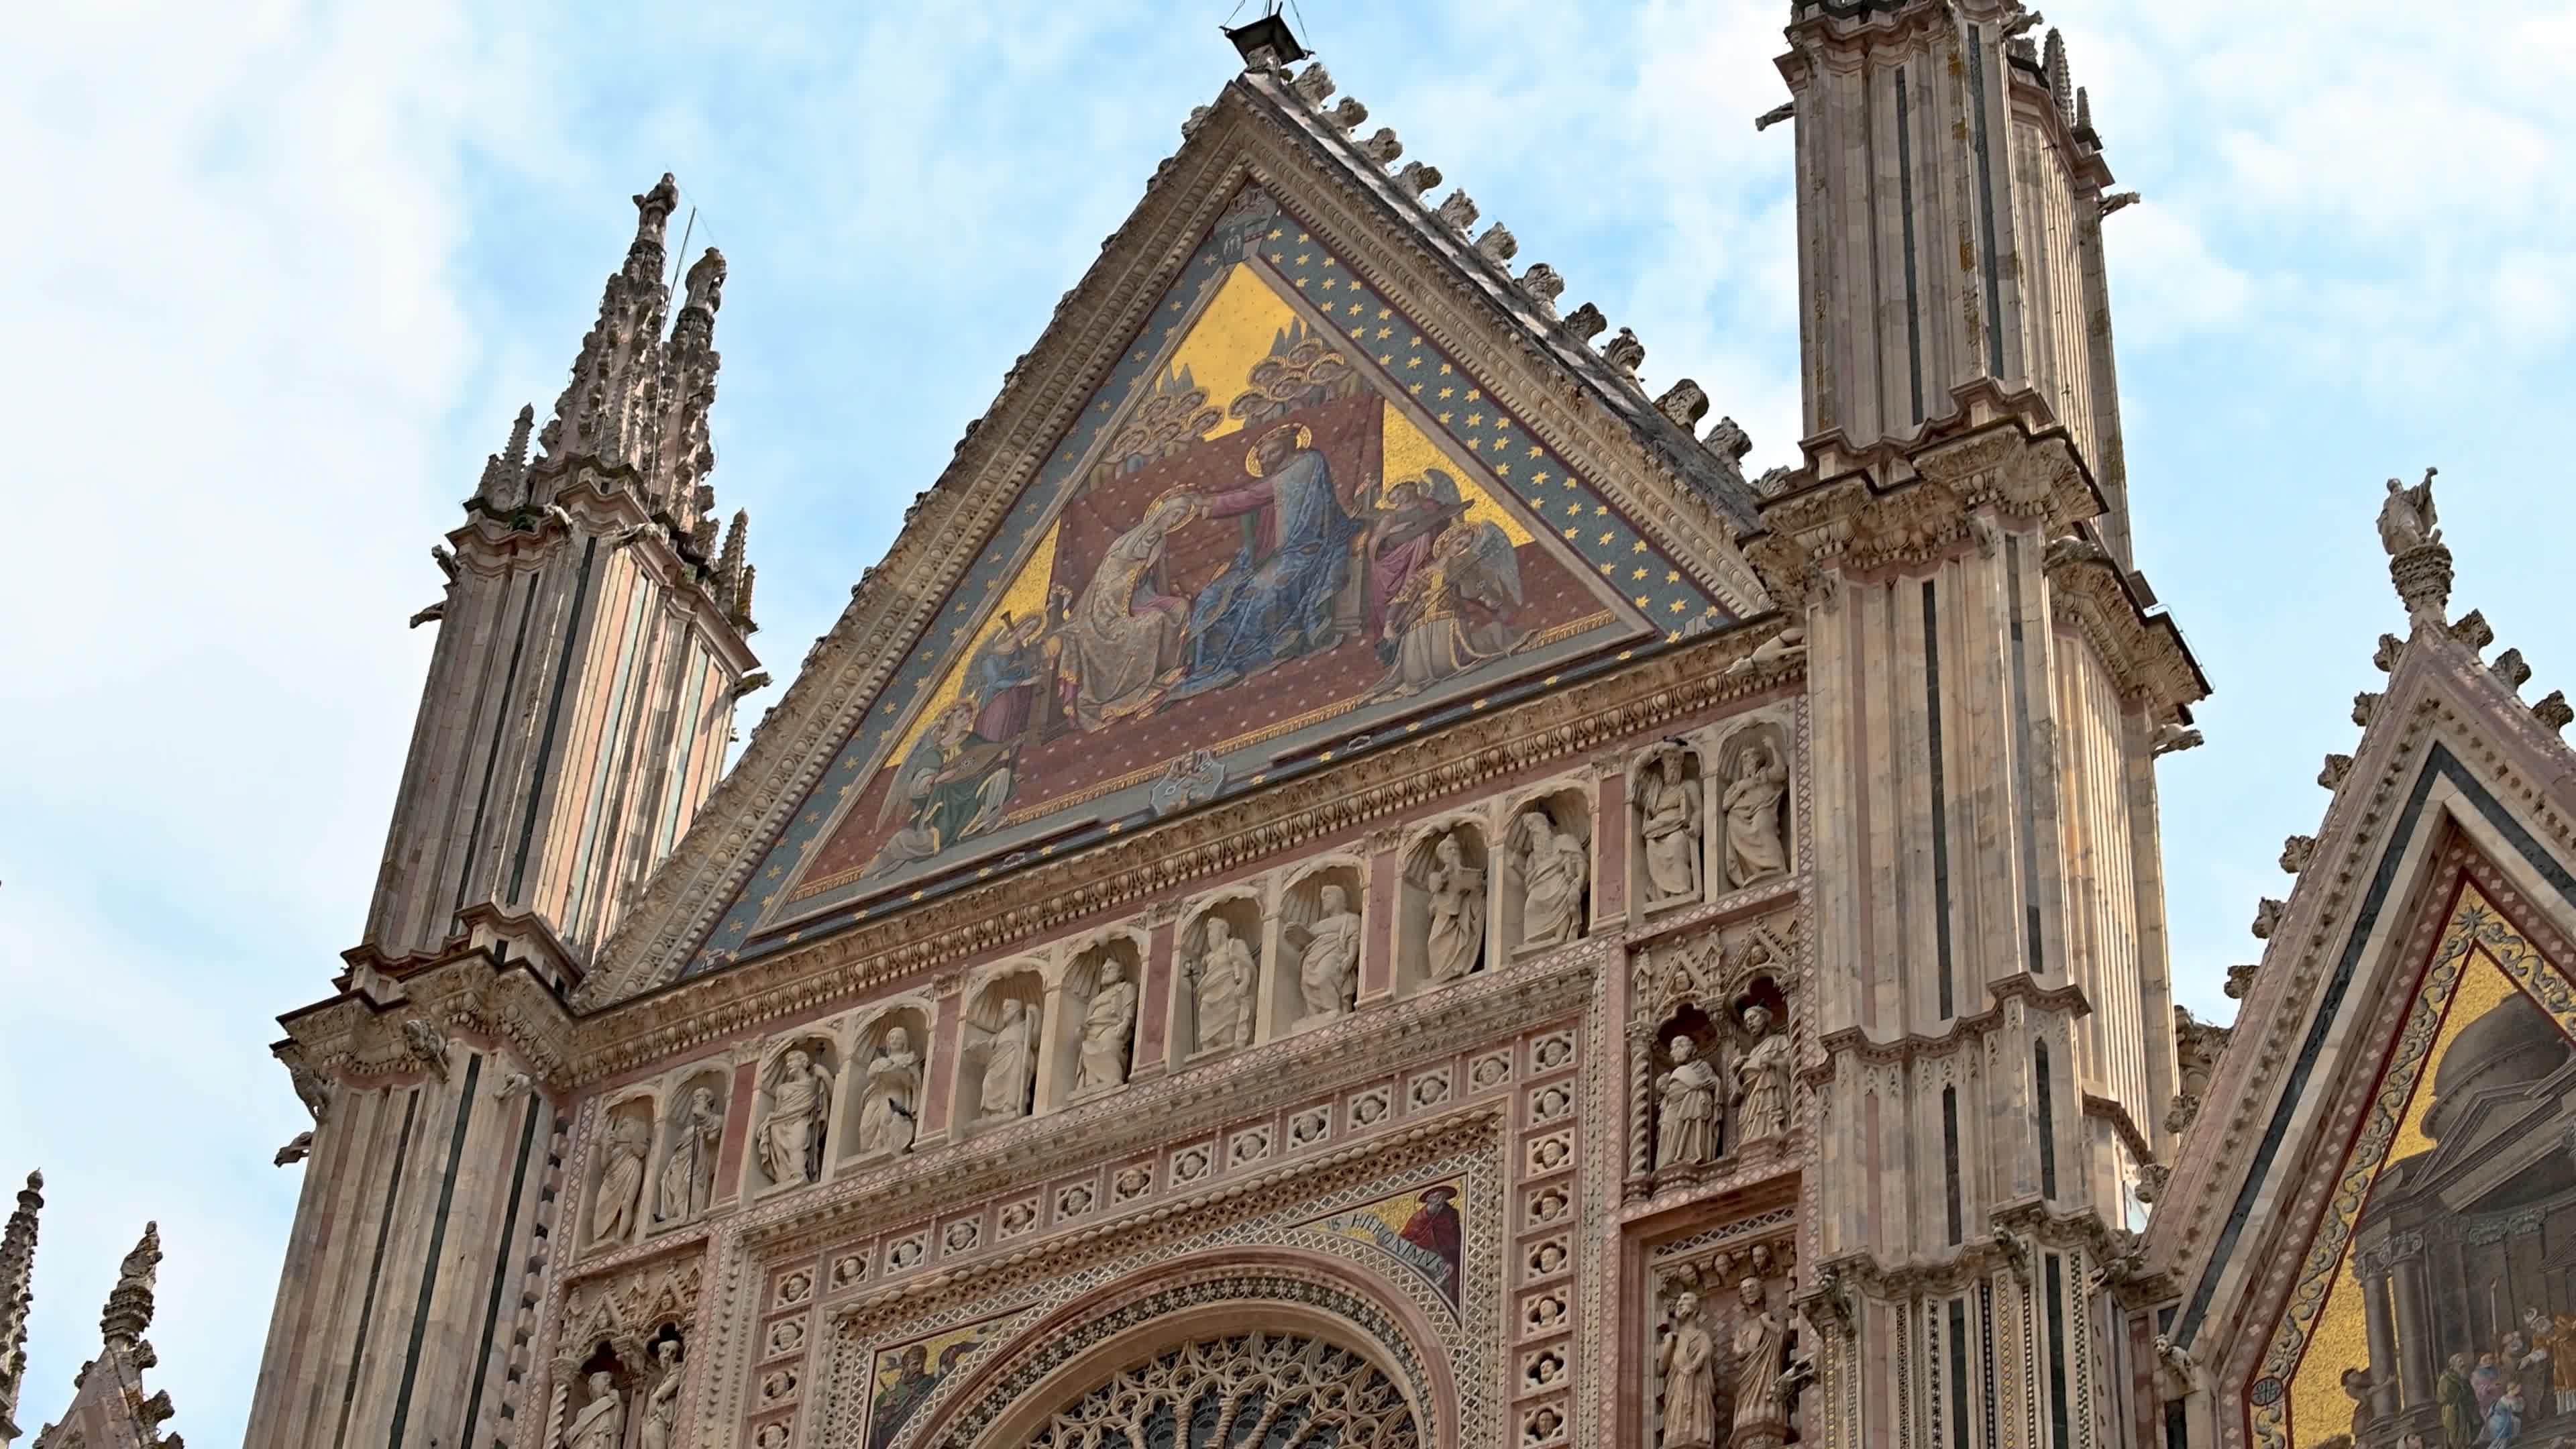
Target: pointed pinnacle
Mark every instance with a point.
(516, 455)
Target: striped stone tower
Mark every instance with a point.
(1988, 688)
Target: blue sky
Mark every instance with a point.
(278, 275)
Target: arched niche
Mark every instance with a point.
(1215, 1001)
(618, 1172)
(1751, 823)
(1002, 1029)
(1093, 1027)
(884, 1084)
(692, 1140)
(1220, 1318)
(1445, 905)
(1322, 925)
(792, 1122)
(1669, 810)
(1546, 879)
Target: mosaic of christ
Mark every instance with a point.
(1265, 544)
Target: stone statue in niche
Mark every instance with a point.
(1757, 783)
(1224, 995)
(601, 1424)
(1686, 1128)
(1762, 1080)
(1761, 1350)
(621, 1182)
(800, 1099)
(689, 1173)
(1670, 807)
(1457, 934)
(1328, 971)
(1555, 868)
(1108, 1030)
(1010, 1064)
(889, 1115)
(1687, 1359)
(662, 1403)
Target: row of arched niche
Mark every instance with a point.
(1255, 961)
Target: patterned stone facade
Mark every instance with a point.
(1453, 918)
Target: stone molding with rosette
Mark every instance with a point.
(1246, 137)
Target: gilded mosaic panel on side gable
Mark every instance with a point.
(2437, 1301)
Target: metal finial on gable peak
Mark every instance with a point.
(1418, 177)
(1382, 148)
(1459, 210)
(1265, 43)
(1497, 244)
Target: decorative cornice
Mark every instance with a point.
(1963, 1032)
(1170, 858)
(1856, 523)
(2145, 654)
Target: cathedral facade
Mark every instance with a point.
(1351, 880)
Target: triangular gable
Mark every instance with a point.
(2434, 897)
(1032, 714)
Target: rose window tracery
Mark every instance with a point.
(1251, 1391)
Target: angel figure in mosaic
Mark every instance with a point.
(1222, 996)
(1454, 612)
(1555, 869)
(1121, 644)
(1456, 936)
(1326, 932)
(790, 1144)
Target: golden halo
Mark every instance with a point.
(1252, 459)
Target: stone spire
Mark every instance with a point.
(17, 1294)
(636, 405)
(129, 1303)
(109, 1405)
(603, 548)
